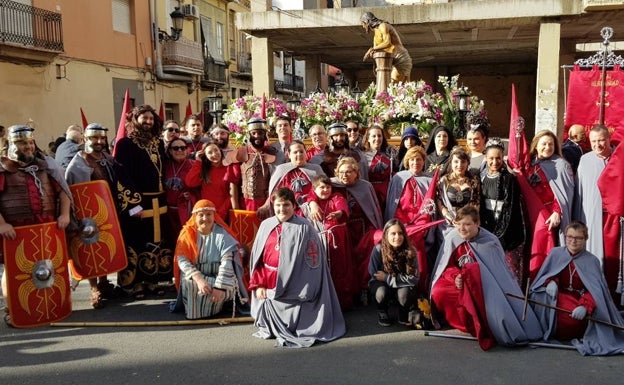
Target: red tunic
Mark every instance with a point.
(178, 207)
(265, 274)
(338, 242)
(542, 238)
(362, 232)
(217, 190)
(311, 152)
(464, 309)
(571, 293)
(379, 174)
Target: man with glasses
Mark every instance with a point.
(571, 279)
(318, 135)
(171, 131)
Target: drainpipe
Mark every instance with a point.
(160, 74)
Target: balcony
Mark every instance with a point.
(243, 65)
(286, 85)
(28, 34)
(214, 74)
(183, 56)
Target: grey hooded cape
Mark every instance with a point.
(303, 307)
(598, 339)
(504, 314)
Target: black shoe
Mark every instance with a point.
(383, 318)
(364, 297)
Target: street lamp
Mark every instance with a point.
(318, 89)
(177, 17)
(342, 85)
(357, 92)
(215, 103)
(293, 103)
(463, 107)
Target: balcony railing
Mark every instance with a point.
(244, 62)
(31, 27)
(287, 84)
(182, 56)
(213, 73)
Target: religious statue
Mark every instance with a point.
(387, 42)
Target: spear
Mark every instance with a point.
(214, 321)
(589, 318)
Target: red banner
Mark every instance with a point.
(584, 100)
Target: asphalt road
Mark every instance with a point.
(228, 354)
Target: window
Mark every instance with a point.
(210, 44)
(220, 39)
(121, 16)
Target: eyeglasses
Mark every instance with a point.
(172, 129)
(352, 130)
(572, 238)
(178, 148)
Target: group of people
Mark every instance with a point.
(348, 219)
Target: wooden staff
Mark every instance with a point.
(471, 338)
(589, 318)
(214, 321)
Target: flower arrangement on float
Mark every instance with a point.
(451, 105)
(412, 103)
(242, 109)
(327, 108)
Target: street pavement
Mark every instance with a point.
(229, 354)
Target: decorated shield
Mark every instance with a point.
(245, 223)
(98, 249)
(37, 276)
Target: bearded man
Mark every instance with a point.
(141, 195)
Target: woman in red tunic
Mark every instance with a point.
(210, 174)
(548, 186)
(378, 158)
(180, 196)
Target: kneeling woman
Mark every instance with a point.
(393, 268)
(293, 298)
(207, 267)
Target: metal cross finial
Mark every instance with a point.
(607, 34)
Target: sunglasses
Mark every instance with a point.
(178, 148)
(352, 129)
(171, 129)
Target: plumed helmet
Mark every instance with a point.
(18, 133)
(256, 124)
(337, 128)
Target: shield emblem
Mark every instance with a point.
(37, 276)
(244, 224)
(98, 249)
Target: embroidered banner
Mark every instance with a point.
(584, 100)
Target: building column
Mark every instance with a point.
(312, 73)
(547, 90)
(262, 66)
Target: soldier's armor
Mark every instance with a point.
(21, 202)
(255, 173)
